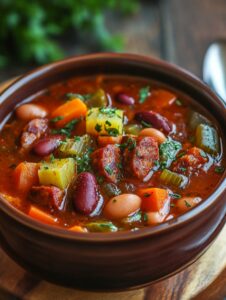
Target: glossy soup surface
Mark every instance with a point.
(104, 154)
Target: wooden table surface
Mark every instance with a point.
(178, 31)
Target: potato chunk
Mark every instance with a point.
(104, 121)
(58, 173)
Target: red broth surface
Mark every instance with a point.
(118, 177)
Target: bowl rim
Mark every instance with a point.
(169, 225)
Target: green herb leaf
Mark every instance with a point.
(98, 127)
(108, 169)
(144, 93)
(178, 102)
(187, 204)
(219, 169)
(175, 196)
(56, 119)
(145, 124)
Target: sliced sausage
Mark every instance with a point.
(139, 158)
(106, 161)
(47, 196)
(33, 131)
(189, 163)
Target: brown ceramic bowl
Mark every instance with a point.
(122, 260)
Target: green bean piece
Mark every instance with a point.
(132, 129)
(101, 227)
(171, 178)
(207, 139)
(196, 119)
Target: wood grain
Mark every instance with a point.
(189, 27)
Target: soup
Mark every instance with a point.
(108, 153)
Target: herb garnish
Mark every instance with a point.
(56, 119)
(98, 127)
(187, 204)
(175, 196)
(145, 217)
(67, 129)
(219, 169)
(84, 162)
(145, 124)
(112, 131)
(168, 151)
(144, 93)
(146, 195)
(52, 158)
(178, 102)
(108, 169)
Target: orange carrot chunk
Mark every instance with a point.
(65, 113)
(78, 228)
(25, 176)
(41, 216)
(153, 199)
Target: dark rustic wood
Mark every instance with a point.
(189, 27)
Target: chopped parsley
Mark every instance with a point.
(130, 144)
(98, 127)
(146, 195)
(219, 169)
(52, 158)
(67, 129)
(145, 124)
(112, 131)
(187, 204)
(145, 217)
(109, 111)
(84, 162)
(178, 102)
(168, 151)
(77, 138)
(144, 93)
(71, 96)
(100, 179)
(182, 153)
(56, 119)
(172, 204)
(175, 196)
(108, 169)
(182, 169)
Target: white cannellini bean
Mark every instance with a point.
(155, 133)
(122, 206)
(29, 112)
(186, 203)
(154, 217)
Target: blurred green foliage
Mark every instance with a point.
(29, 28)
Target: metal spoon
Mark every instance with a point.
(214, 68)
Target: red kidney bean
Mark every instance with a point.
(124, 99)
(47, 145)
(85, 196)
(154, 119)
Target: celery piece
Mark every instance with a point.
(168, 151)
(103, 226)
(207, 139)
(59, 172)
(171, 178)
(132, 129)
(134, 218)
(104, 121)
(196, 119)
(75, 147)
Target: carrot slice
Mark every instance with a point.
(153, 199)
(78, 228)
(41, 216)
(73, 109)
(106, 140)
(25, 176)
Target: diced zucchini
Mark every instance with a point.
(171, 178)
(75, 147)
(132, 129)
(58, 173)
(104, 121)
(101, 227)
(168, 151)
(196, 119)
(207, 139)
